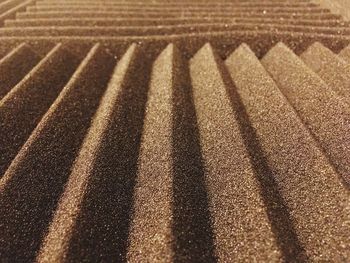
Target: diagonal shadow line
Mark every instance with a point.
(38, 176)
(103, 225)
(192, 226)
(277, 210)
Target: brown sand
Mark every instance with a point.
(8, 4)
(95, 222)
(33, 183)
(224, 42)
(166, 4)
(40, 31)
(229, 177)
(10, 13)
(23, 106)
(331, 68)
(151, 238)
(175, 155)
(326, 115)
(167, 21)
(60, 233)
(345, 54)
(14, 66)
(186, 9)
(111, 14)
(175, 5)
(285, 143)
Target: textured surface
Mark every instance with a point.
(174, 131)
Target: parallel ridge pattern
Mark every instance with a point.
(189, 25)
(152, 133)
(110, 18)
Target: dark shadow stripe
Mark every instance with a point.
(37, 177)
(278, 213)
(192, 225)
(23, 108)
(102, 228)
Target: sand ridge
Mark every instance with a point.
(174, 131)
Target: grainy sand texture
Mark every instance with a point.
(174, 131)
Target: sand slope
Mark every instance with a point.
(174, 131)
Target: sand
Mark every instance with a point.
(326, 115)
(23, 106)
(285, 142)
(174, 131)
(330, 67)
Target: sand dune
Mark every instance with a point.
(174, 131)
